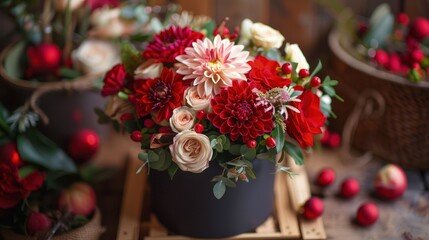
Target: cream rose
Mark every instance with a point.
(191, 151)
(245, 33)
(107, 23)
(183, 118)
(61, 5)
(95, 56)
(193, 100)
(265, 36)
(148, 70)
(294, 54)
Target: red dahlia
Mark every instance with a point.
(303, 125)
(265, 75)
(114, 80)
(170, 43)
(160, 95)
(236, 112)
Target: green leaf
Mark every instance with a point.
(228, 182)
(329, 90)
(209, 28)
(34, 147)
(248, 153)
(141, 167)
(102, 116)
(316, 70)
(380, 27)
(279, 136)
(295, 152)
(12, 63)
(172, 170)
(250, 172)
(142, 156)
(4, 115)
(219, 189)
(140, 37)
(235, 149)
(273, 54)
(155, 161)
(25, 171)
(69, 73)
(131, 57)
(94, 174)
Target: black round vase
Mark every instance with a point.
(186, 205)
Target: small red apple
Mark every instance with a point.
(83, 145)
(326, 177)
(313, 208)
(367, 214)
(45, 57)
(390, 182)
(79, 199)
(37, 222)
(349, 188)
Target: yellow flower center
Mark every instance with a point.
(213, 69)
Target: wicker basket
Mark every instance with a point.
(401, 134)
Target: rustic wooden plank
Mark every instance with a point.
(299, 189)
(156, 229)
(268, 226)
(286, 217)
(129, 223)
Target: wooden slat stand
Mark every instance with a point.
(290, 194)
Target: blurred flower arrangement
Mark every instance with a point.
(43, 192)
(195, 95)
(66, 39)
(397, 44)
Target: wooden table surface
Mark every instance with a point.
(406, 218)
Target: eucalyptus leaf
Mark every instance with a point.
(247, 153)
(219, 189)
(228, 182)
(34, 147)
(250, 172)
(279, 136)
(295, 152)
(235, 149)
(172, 170)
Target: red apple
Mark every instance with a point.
(326, 177)
(37, 222)
(313, 208)
(367, 214)
(390, 182)
(83, 145)
(79, 199)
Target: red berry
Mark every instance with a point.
(315, 81)
(201, 115)
(395, 63)
(362, 28)
(199, 128)
(37, 222)
(419, 28)
(164, 130)
(325, 137)
(417, 55)
(313, 208)
(251, 144)
(402, 19)
(83, 145)
(286, 68)
(334, 140)
(9, 152)
(303, 73)
(367, 214)
(381, 58)
(326, 177)
(349, 188)
(126, 117)
(131, 98)
(136, 136)
(270, 142)
(149, 123)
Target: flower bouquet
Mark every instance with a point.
(213, 108)
(43, 194)
(385, 61)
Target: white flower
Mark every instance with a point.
(183, 118)
(191, 151)
(266, 37)
(95, 56)
(107, 23)
(245, 33)
(195, 101)
(294, 54)
(148, 70)
(61, 5)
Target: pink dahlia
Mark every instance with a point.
(235, 111)
(170, 43)
(213, 65)
(159, 96)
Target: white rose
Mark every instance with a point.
(183, 118)
(107, 23)
(191, 151)
(61, 5)
(193, 100)
(265, 36)
(294, 54)
(95, 56)
(245, 33)
(148, 70)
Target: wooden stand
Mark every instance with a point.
(290, 195)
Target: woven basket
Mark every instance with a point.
(401, 134)
(90, 231)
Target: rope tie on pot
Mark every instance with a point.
(80, 84)
(371, 105)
